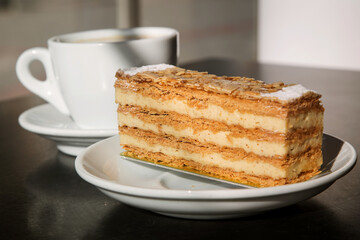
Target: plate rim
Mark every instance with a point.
(76, 133)
(221, 194)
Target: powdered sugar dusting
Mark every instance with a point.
(148, 68)
(288, 93)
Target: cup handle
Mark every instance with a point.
(47, 89)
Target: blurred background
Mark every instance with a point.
(318, 33)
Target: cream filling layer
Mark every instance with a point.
(217, 113)
(249, 167)
(221, 138)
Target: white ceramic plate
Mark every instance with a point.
(185, 196)
(48, 122)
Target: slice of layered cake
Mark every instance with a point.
(233, 128)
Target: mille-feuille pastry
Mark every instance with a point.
(233, 128)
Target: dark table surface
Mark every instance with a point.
(42, 197)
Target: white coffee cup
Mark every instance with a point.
(80, 69)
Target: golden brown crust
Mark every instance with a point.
(230, 154)
(202, 99)
(214, 171)
(180, 122)
(178, 77)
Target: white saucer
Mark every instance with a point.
(185, 196)
(48, 122)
